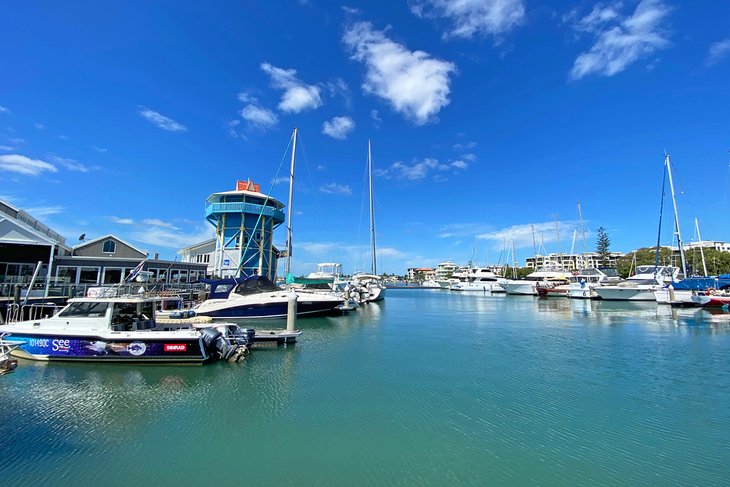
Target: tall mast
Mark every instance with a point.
(534, 245)
(289, 207)
(676, 215)
(583, 232)
(560, 252)
(374, 265)
(702, 252)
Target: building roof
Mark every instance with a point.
(40, 231)
(193, 247)
(104, 237)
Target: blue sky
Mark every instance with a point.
(486, 117)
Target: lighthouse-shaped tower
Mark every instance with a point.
(244, 221)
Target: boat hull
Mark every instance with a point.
(277, 309)
(617, 293)
(49, 347)
(527, 288)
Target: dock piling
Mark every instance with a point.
(291, 312)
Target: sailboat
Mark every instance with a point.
(369, 287)
(641, 286)
(258, 297)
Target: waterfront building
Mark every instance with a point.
(421, 273)
(244, 221)
(571, 262)
(25, 241)
(444, 270)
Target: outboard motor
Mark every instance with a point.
(210, 337)
(247, 336)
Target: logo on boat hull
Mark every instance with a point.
(176, 347)
(137, 348)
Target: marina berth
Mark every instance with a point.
(123, 329)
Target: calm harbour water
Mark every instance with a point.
(428, 388)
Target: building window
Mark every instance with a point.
(109, 247)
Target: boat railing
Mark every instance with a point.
(28, 312)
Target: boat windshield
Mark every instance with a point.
(85, 309)
(255, 285)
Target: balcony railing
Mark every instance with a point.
(268, 211)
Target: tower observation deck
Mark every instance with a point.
(244, 221)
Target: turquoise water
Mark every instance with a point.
(428, 388)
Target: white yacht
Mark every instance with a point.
(584, 282)
(528, 285)
(479, 279)
(431, 284)
(641, 286)
(367, 288)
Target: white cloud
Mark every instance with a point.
(338, 87)
(620, 42)
(415, 84)
(45, 211)
(246, 97)
(25, 165)
(6, 148)
(4, 110)
(122, 221)
(161, 121)
(718, 51)
(70, 164)
(280, 180)
(338, 127)
(159, 223)
(334, 188)
(413, 172)
(297, 96)
(473, 17)
(522, 235)
(99, 149)
(459, 164)
(259, 117)
(375, 115)
(173, 239)
(460, 230)
(467, 145)
(39, 126)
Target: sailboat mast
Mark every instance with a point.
(583, 232)
(374, 265)
(676, 215)
(702, 252)
(289, 212)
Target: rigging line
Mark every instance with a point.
(317, 206)
(360, 253)
(263, 207)
(661, 211)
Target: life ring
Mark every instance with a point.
(711, 291)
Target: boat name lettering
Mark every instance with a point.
(38, 342)
(61, 345)
(176, 347)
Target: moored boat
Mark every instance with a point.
(123, 329)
